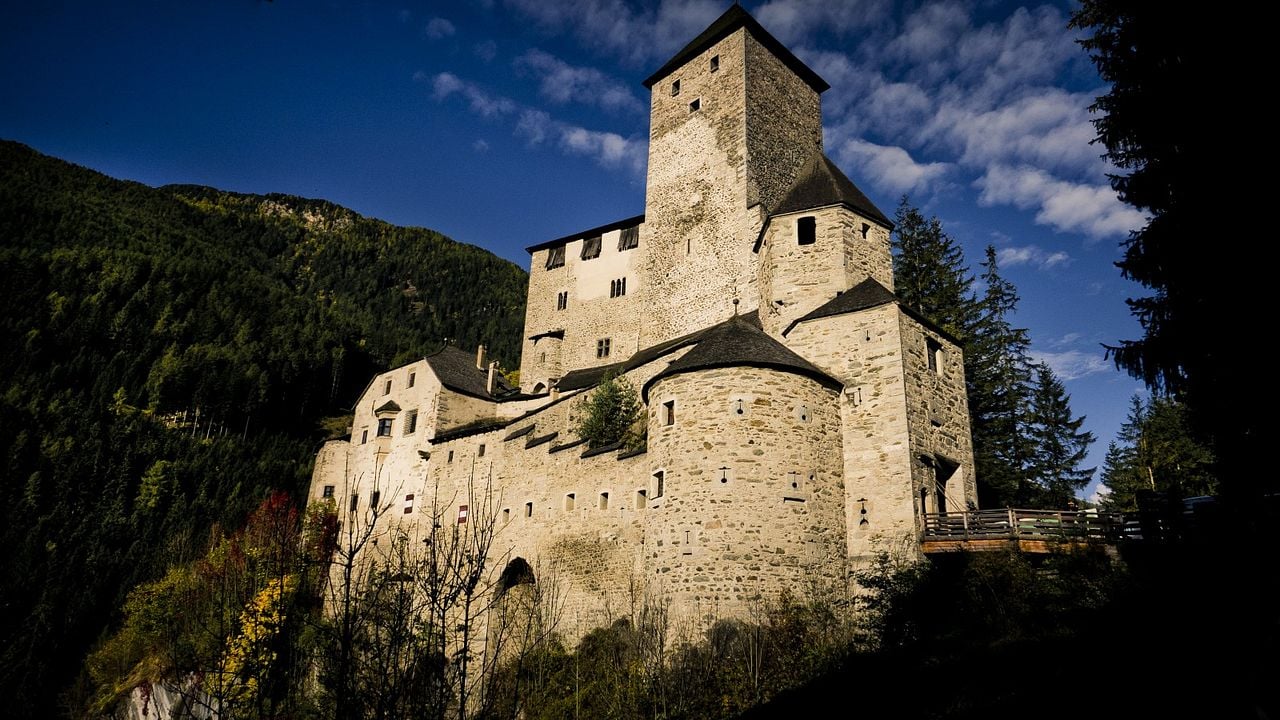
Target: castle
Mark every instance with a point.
(800, 419)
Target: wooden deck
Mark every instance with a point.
(1031, 531)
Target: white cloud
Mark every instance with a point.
(615, 27)
(1072, 364)
(1031, 255)
(1099, 494)
(561, 83)
(438, 27)
(889, 167)
(793, 21)
(486, 50)
(1066, 206)
(482, 103)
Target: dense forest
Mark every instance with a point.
(171, 356)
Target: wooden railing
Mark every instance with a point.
(1009, 523)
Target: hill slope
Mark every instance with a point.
(169, 354)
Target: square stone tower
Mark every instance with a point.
(734, 117)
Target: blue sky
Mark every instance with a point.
(508, 122)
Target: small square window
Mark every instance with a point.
(386, 389)
(412, 377)
(328, 492)
(669, 412)
(715, 63)
(675, 88)
(696, 105)
(806, 230)
(602, 348)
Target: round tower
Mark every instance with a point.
(745, 438)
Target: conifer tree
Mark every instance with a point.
(610, 414)
(929, 273)
(1156, 451)
(1058, 445)
(999, 375)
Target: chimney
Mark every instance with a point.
(492, 383)
(480, 358)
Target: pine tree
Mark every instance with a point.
(1157, 452)
(1058, 444)
(999, 375)
(610, 414)
(929, 273)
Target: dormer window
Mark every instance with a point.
(591, 248)
(555, 257)
(675, 88)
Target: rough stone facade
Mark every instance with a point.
(790, 436)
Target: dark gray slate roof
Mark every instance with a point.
(820, 184)
(388, 406)
(475, 428)
(589, 377)
(740, 342)
(600, 230)
(457, 371)
(724, 26)
(518, 433)
(867, 294)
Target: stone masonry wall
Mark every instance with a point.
(938, 413)
(754, 498)
(784, 125)
(864, 351)
(591, 313)
(695, 199)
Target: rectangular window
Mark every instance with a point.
(355, 502)
(506, 515)
(629, 238)
(386, 389)
(642, 499)
(602, 348)
(408, 504)
(412, 377)
(675, 88)
(617, 288)
(569, 501)
(562, 300)
(669, 412)
(591, 248)
(659, 480)
(384, 427)
(364, 435)
(555, 257)
(715, 63)
(604, 501)
(328, 492)
(933, 349)
(528, 509)
(696, 105)
(450, 456)
(806, 230)
(374, 498)
(481, 453)
(865, 229)
(411, 422)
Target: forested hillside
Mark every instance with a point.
(169, 357)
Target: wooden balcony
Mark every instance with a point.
(1033, 531)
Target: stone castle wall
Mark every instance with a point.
(784, 125)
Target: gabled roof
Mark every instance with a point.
(740, 342)
(821, 184)
(865, 295)
(456, 370)
(724, 26)
(389, 406)
(615, 225)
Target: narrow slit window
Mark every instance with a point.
(669, 412)
(659, 483)
(591, 248)
(569, 502)
(642, 499)
(481, 452)
(411, 422)
(374, 497)
(364, 435)
(562, 300)
(408, 504)
(355, 502)
(506, 515)
(528, 509)
(617, 288)
(604, 501)
(933, 349)
(412, 377)
(715, 63)
(675, 88)
(386, 389)
(806, 230)
(450, 456)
